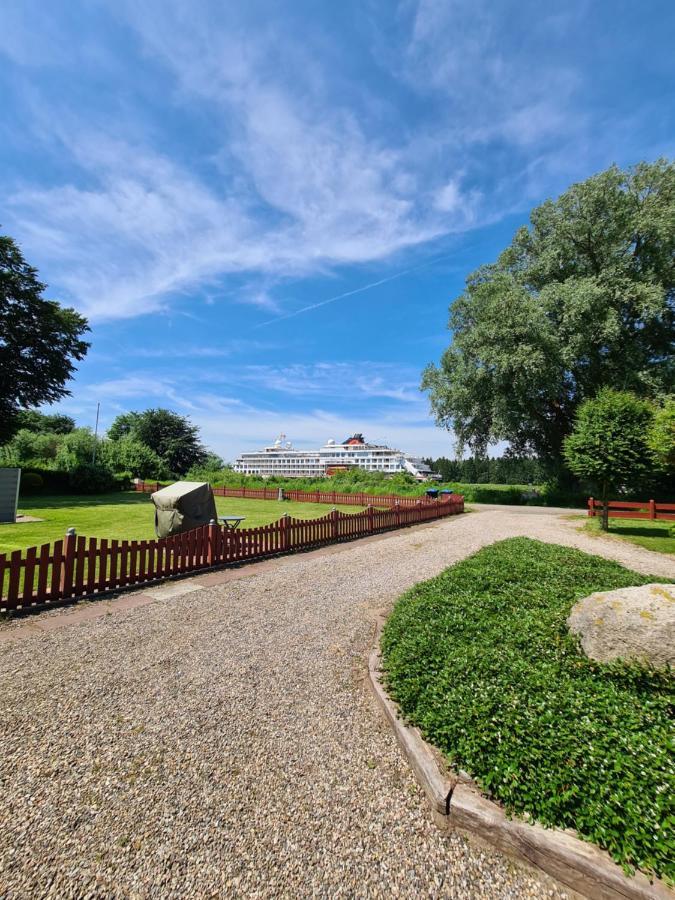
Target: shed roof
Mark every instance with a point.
(179, 489)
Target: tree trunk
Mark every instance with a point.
(605, 506)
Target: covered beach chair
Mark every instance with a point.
(183, 506)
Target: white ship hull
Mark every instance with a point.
(282, 460)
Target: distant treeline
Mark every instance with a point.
(502, 470)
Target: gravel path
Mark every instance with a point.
(224, 742)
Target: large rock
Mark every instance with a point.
(636, 623)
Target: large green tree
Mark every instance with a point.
(581, 299)
(172, 437)
(39, 340)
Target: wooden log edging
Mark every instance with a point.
(457, 803)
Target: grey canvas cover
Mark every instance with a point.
(183, 506)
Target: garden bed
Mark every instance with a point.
(480, 660)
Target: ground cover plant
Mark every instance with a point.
(657, 535)
(479, 658)
(127, 515)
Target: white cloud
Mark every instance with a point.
(356, 381)
(449, 197)
(305, 168)
(296, 185)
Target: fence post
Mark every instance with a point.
(370, 511)
(652, 509)
(211, 551)
(397, 510)
(591, 507)
(334, 523)
(283, 527)
(67, 564)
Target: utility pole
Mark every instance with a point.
(93, 455)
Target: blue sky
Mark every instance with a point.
(265, 208)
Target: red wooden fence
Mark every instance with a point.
(77, 566)
(332, 497)
(642, 509)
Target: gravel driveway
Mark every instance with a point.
(224, 742)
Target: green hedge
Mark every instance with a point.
(481, 660)
(83, 479)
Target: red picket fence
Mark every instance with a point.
(642, 509)
(332, 497)
(78, 566)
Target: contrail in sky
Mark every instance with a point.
(359, 290)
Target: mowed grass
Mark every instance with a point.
(652, 535)
(480, 659)
(130, 516)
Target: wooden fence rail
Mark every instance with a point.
(78, 566)
(332, 497)
(641, 509)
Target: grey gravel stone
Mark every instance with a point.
(223, 742)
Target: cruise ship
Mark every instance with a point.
(282, 459)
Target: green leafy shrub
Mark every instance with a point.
(124, 480)
(53, 481)
(91, 478)
(481, 660)
(131, 455)
(31, 481)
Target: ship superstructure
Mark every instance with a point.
(282, 459)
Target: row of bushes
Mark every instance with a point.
(85, 478)
(75, 460)
(357, 481)
(573, 495)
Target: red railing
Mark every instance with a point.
(642, 509)
(332, 497)
(78, 566)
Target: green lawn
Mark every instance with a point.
(651, 535)
(480, 659)
(130, 516)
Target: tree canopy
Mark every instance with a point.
(609, 443)
(42, 423)
(583, 298)
(171, 436)
(39, 340)
(131, 455)
(661, 437)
